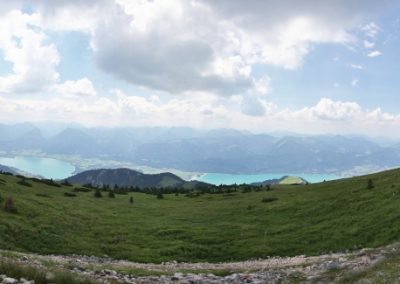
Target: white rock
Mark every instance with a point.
(9, 280)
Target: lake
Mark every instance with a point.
(217, 179)
(45, 167)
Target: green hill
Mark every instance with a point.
(285, 180)
(127, 178)
(291, 180)
(308, 219)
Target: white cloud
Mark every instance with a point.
(374, 53)
(368, 44)
(356, 66)
(83, 87)
(371, 29)
(188, 46)
(33, 60)
(202, 110)
(326, 109)
(354, 82)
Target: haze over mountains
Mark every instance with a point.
(223, 151)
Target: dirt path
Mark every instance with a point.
(322, 269)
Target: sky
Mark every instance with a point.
(306, 66)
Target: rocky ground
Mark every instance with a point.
(317, 269)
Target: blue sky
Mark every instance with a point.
(305, 66)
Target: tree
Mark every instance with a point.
(370, 184)
(97, 193)
(9, 205)
(111, 194)
(160, 196)
(131, 200)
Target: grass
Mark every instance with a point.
(310, 219)
(40, 275)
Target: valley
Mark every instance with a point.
(232, 225)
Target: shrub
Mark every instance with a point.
(82, 189)
(69, 194)
(1, 198)
(66, 183)
(9, 205)
(97, 193)
(370, 184)
(24, 183)
(42, 195)
(160, 196)
(48, 182)
(111, 194)
(131, 200)
(269, 199)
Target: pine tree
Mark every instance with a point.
(370, 184)
(97, 193)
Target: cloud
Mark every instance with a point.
(374, 53)
(202, 110)
(356, 66)
(195, 46)
(326, 109)
(83, 87)
(371, 30)
(253, 106)
(25, 46)
(354, 82)
(368, 44)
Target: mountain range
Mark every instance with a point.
(221, 151)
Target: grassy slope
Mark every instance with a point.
(292, 180)
(310, 219)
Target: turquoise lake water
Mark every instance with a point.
(45, 167)
(215, 178)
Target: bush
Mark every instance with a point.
(269, 199)
(69, 194)
(66, 183)
(111, 194)
(24, 183)
(82, 189)
(9, 205)
(370, 184)
(160, 196)
(48, 182)
(43, 195)
(97, 193)
(131, 200)
(1, 198)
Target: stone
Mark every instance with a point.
(50, 277)
(333, 265)
(9, 280)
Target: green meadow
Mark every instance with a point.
(285, 221)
